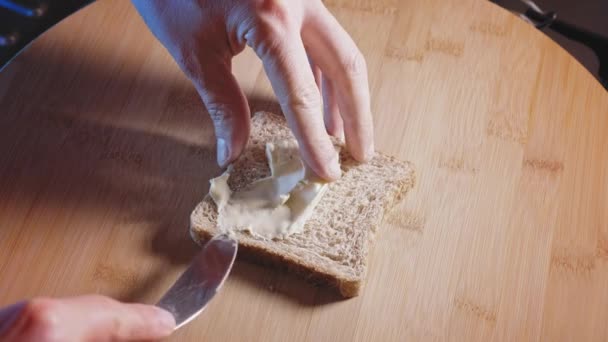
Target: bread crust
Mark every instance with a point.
(264, 252)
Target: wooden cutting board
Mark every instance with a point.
(105, 149)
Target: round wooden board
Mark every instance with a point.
(105, 149)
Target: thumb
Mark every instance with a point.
(227, 107)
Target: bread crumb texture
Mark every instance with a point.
(334, 245)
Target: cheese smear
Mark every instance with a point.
(273, 207)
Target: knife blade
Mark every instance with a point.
(193, 290)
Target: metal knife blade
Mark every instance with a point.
(187, 298)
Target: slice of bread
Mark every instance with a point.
(335, 242)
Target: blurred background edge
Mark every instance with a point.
(22, 21)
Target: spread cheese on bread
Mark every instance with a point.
(333, 242)
(272, 207)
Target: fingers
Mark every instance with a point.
(331, 112)
(286, 65)
(226, 104)
(101, 316)
(316, 73)
(89, 318)
(341, 61)
(98, 317)
(140, 322)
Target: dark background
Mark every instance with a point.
(17, 30)
(588, 14)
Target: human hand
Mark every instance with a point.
(86, 318)
(204, 35)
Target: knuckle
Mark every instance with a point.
(218, 111)
(275, 10)
(266, 39)
(221, 117)
(304, 98)
(355, 65)
(272, 24)
(42, 314)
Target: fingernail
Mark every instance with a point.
(165, 320)
(222, 152)
(9, 315)
(340, 136)
(334, 168)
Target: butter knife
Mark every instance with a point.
(191, 293)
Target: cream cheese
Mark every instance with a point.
(273, 207)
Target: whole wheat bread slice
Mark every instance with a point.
(333, 247)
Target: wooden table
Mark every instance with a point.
(105, 149)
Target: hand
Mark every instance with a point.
(86, 318)
(204, 35)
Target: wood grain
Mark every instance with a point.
(105, 149)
